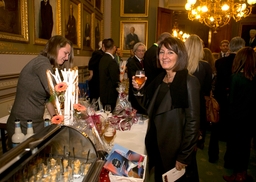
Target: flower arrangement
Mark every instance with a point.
(64, 94)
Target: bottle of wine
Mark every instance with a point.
(18, 136)
(30, 130)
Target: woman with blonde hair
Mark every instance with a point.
(202, 70)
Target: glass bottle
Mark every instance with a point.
(30, 130)
(47, 122)
(18, 136)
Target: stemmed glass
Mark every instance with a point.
(109, 134)
(140, 79)
(107, 109)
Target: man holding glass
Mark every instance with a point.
(135, 64)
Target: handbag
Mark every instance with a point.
(212, 109)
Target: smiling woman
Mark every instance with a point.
(33, 93)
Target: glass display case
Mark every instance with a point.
(57, 153)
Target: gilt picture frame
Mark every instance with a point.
(14, 21)
(140, 29)
(72, 19)
(138, 8)
(47, 20)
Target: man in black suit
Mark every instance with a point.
(252, 40)
(151, 64)
(224, 49)
(223, 73)
(109, 75)
(135, 63)
(94, 78)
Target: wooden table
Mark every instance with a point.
(3, 122)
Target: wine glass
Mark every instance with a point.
(140, 79)
(109, 134)
(107, 109)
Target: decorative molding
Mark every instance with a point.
(8, 84)
(8, 81)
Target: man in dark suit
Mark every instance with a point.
(252, 40)
(224, 48)
(94, 78)
(135, 63)
(223, 73)
(109, 75)
(151, 64)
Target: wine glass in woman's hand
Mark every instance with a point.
(139, 79)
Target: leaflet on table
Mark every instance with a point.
(124, 162)
(173, 175)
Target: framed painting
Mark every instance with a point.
(14, 20)
(87, 28)
(47, 20)
(245, 28)
(133, 32)
(73, 22)
(90, 1)
(98, 29)
(138, 8)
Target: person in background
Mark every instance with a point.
(208, 56)
(202, 70)
(118, 55)
(109, 75)
(222, 83)
(94, 78)
(173, 107)
(136, 63)
(224, 49)
(131, 38)
(242, 99)
(151, 63)
(252, 41)
(33, 92)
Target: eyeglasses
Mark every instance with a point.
(140, 50)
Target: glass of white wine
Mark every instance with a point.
(140, 79)
(107, 109)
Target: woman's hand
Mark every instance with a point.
(135, 85)
(179, 166)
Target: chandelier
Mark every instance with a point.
(217, 13)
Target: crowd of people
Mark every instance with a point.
(178, 76)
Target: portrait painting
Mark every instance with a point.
(97, 33)
(131, 33)
(245, 28)
(87, 28)
(138, 8)
(45, 18)
(73, 21)
(13, 20)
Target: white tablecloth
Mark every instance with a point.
(133, 139)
